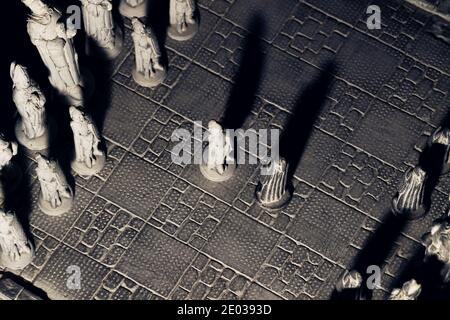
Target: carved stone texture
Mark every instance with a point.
(89, 159)
(10, 173)
(218, 161)
(409, 291)
(272, 192)
(442, 136)
(100, 28)
(56, 196)
(409, 199)
(183, 23)
(133, 8)
(55, 45)
(16, 251)
(148, 71)
(31, 129)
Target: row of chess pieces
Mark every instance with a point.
(53, 39)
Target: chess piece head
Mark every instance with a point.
(437, 241)
(42, 161)
(19, 75)
(214, 127)
(138, 26)
(76, 114)
(409, 291)
(38, 7)
(3, 143)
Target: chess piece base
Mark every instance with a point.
(11, 177)
(20, 264)
(410, 214)
(109, 53)
(277, 205)
(128, 11)
(36, 144)
(214, 176)
(46, 207)
(157, 78)
(188, 34)
(83, 170)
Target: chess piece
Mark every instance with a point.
(409, 291)
(272, 192)
(442, 136)
(10, 173)
(409, 199)
(16, 251)
(349, 280)
(55, 45)
(100, 27)
(89, 159)
(56, 196)
(133, 8)
(31, 131)
(219, 164)
(183, 25)
(148, 71)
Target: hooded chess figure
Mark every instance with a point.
(55, 45)
(133, 8)
(183, 25)
(56, 196)
(16, 251)
(100, 27)
(148, 71)
(89, 159)
(31, 129)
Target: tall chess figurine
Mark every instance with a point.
(410, 198)
(10, 173)
(442, 136)
(55, 45)
(100, 27)
(56, 196)
(409, 291)
(148, 71)
(133, 8)
(31, 129)
(89, 159)
(272, 192)
(183, 25)
(219, 164)
(16, 251)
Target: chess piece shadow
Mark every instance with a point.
(157, 19)
(375, 252)
(248, 77)
(295, 135)
(28, 286)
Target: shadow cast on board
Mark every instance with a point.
(158, 20)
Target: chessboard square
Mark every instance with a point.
(137, 185)
(241, 243)
(156, 260)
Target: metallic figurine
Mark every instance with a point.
(89, 159)
(148, 71)
(133, 8)
(31, 129)
(56, 196)
(183, 25)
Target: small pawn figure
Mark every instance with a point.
(31, 129)
(442, 136)
(10, 173)
(183, 24)
(89, 159)
(349, 286)
(133, 8)
(148, 71)
(272, 192)
(409, 291)
(218, 161)
(410, 198)
(101, 29)
(16, 251)
(56, 196)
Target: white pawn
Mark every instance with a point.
(16, 251)
(183, 24)
(89, 159)
(56, 196)
(100, 27)
(133, 8)
(148, 71)
(31, 129)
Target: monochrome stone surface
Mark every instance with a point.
(56, 196)
(183, 24)
(89, 159)
(148, 71)
(100, 27)
(31, 130)
(133, 8)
